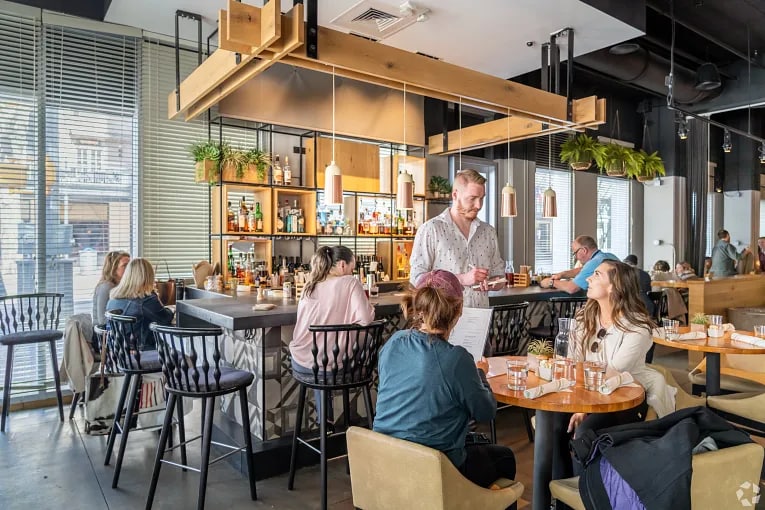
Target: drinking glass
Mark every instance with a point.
(759, 331)
(563, 368)
(374, 291)
(715, 326)
(517, 374)
(594, 373)
(670, 329)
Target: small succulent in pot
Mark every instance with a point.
(540, 348)
(699, 322)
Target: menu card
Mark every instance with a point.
(472, 330)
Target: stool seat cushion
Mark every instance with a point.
(326, 380)
(230, 378)
(31, 337)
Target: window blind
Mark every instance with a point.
(174, 210)
(552, 236)
(613, 216)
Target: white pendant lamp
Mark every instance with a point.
(333, 177)
(509, 207)
(549, 199)
(405, 183)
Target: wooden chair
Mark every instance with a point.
(561, 307)
(390, 474)
(29, 319)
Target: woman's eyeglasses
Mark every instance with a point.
(595, 347)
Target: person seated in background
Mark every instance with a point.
(332, 295)
(725, 256)
(430, 389)
(134, 296)
(111, 274)
(684, 271)
(707, 265)
(645, 283)
(661, 266)
(760, 255)
(614, 327)
(585, 250)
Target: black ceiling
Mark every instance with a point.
(93, 9)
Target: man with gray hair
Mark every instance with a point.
(585, 250)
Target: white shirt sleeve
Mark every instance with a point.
(423, 252)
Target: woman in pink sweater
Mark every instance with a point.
(331, 296)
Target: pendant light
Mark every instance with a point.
(509, 207)
(549, 199)
(333, 177)
(762, 157)
(405, 184)
(727, 146)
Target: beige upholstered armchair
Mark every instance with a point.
(682, 399)
(390, 474)
(717, 476)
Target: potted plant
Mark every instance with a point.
(207, 157)
(649, 166)
(617, 159)
(439, 187)
(579, 152)
(699, 322)
(257, 162)
(233, 163)
(539, 354)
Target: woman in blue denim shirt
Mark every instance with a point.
(135, 297)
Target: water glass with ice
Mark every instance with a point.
(715, 326)
(517, 374)
(594, 374)
(670, 329)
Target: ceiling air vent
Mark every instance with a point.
(376, 20)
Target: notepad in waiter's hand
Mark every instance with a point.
(472, 330)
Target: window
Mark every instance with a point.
(552, 236)
(762, 218)
(711, 237)
(613, 216)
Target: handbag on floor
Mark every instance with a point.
(101, 395)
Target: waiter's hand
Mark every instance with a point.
(475, 276)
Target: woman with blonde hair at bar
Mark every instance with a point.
(115, 263)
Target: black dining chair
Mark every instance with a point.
(29, 319)
(193, 368)
(348, 360)
(558, 307)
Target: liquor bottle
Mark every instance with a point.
(279, 223)
(242, 216)
(251, 219)
(300, 222)
(230, 265)
(231, 221)
(258, 218)
(287, 172)
(278, 173)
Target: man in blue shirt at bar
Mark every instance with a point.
(585, 250)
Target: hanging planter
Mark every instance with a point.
(207, 156)
(579, 152)
(616, 160)
(647, 165)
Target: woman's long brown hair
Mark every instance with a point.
(629, 312)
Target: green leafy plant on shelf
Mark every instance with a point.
(648, 167)
(259, 160)
(540, 348)
(580, 151)
(618, 160)
(207, 156)
(439, 186)
(233, 159)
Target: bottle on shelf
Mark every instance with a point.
(242, 216)
(258, 218)
(251, 219)
(230, 259)
(287, 172)
(278, 173)
(279, 223)
(231, 220)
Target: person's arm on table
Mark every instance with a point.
(474, 389)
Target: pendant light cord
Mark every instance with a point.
(508, 145)
(406, 149)
(333, 113)
(459, 118)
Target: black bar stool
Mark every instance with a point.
(194, 369)
(29, 319)
(122, 344)
(560, 307)
(347, 359)
(508, 324)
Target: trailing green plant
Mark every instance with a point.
(235, 158)
(259, 159)
(540, 348)
(438, 184)
(580, 151)
(699, 318)
(618, 160)
(648, 165)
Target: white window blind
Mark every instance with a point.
(711, 237)
(613, 216)
(174, 209)
(762, 218)
(552, 236)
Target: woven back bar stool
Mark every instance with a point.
(192, 366)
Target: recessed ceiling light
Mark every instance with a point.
(624, 48)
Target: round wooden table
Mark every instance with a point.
(713, 347)
(578, 400)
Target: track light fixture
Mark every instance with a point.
(682, 130)
(761, 150)
(727, 146)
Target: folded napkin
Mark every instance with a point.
(692, 335)
(610, 384)
(552, 386)
(728, 327)
(749, 339)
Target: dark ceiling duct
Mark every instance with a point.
(647, 70)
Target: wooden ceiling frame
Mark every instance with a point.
(264, 36)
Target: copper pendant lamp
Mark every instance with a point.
(333, 177)
(405, 182)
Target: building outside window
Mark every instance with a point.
(613, 222)
(552, 236)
